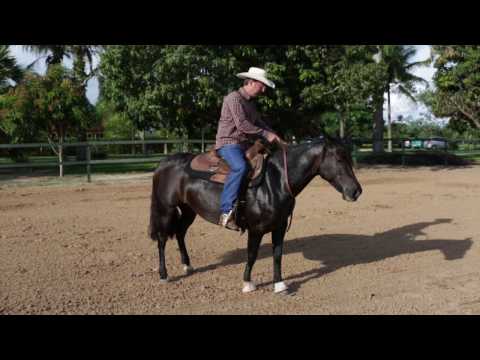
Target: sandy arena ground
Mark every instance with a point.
(410, 245)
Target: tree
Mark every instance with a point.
(116, 124)
(82, 56)
(348, 78)
(9, 69)
(397, 58)
(19, 118)
(52, 103)
(19, 121)
(62, 104)
(182, 87)
(10, 73)
(457, 84)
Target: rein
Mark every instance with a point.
(284, 149)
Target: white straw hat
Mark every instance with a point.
(257, 74)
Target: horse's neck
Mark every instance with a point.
(300, 167)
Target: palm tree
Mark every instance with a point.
(54, 54)
(9, 69)
(397, 58)
(83, 55)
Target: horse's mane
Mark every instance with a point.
(294, 148)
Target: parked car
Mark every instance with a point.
(413, 144)
(435, 143)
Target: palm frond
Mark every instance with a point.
(411, 78)
(9, 69)
(403, 90)
(31, 65)
(413, 65)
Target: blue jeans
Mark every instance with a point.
(234, 155)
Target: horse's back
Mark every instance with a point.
(178, 159)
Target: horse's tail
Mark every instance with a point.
(154, 227)
(163, 215)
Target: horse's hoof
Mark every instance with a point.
(248, 287)
(188, 269)
(164, 281)
(280, 287)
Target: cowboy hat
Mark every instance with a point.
(257, 74)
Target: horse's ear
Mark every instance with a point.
(324, 134)
(321, 128)
(328, 138)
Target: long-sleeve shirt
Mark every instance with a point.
(239, 118)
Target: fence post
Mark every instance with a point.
(89, 156)
(165, 149)
(446, 152)
(354, 157)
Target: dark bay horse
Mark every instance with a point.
(177, 198)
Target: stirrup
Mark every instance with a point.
(227, 221)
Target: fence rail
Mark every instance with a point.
(93, 144)
(111, 142)
(359, 148)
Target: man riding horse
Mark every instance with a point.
(240, 118)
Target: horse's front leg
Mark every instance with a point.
(277, 240)
(254, 240)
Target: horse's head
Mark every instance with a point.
(336, 168)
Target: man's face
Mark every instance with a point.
(255, 88)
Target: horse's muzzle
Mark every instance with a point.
(352, 195)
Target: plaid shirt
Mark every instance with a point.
(239, 118)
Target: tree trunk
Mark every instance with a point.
(60, 155)
(389, 127)
(342, 125)
(378, 127)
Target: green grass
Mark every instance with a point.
(471, 157)
(110, 168)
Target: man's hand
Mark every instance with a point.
(272, 137)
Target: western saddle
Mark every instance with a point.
(214, 168)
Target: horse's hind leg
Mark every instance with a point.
(254, 241)
(162, 240)
(186, 219)
(163, 228)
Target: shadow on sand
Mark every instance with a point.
(334, 251)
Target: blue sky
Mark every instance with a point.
(401, 105)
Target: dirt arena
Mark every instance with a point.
(410, 245)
